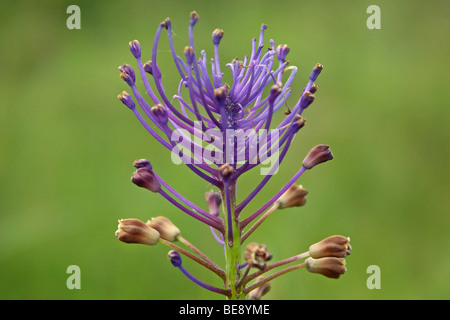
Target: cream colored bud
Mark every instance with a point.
(256, 255)
(167, 230)
(293, 197)
(334, 246)
(330, 267)
(136, 231)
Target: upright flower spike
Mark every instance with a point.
(236, 119)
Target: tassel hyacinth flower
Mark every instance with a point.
(221, 131)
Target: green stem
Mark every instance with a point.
(232, 250)
(232, 246)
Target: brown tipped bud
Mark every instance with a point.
(330, 267)
(142, 163)
(275, 91)
(135, 48)
(220, 94)
(313, 88)
(334, 246)
(257, 293)
(148, 67)
(316, 71)
(293, 197)
(299, 122)
(127, 100)
(256, 255)
(175, 258)
(160, 112)
(318, 66)
(307, 99)
(136, 231)
(194, 17)
(167, 230)
(282, 51)
(190, 54)
(217, 36)
(166, 23)
(226, 170)
(316, 155)
(214, 200)
(144, 178)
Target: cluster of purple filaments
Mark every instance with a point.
(258, 89)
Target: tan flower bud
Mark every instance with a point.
(293, 197)
(316, 155)
(257, 293)
(330, 267)
(136, 231)
(334, 246)
(256, 255)
(167, 230)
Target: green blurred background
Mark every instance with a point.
(67, 146)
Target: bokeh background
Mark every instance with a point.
(67, 146)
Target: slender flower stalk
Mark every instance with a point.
(221, 131)
(177, 262)
(258, 223)
(217, 270)
(273, 276)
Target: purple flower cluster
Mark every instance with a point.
(233, 118)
